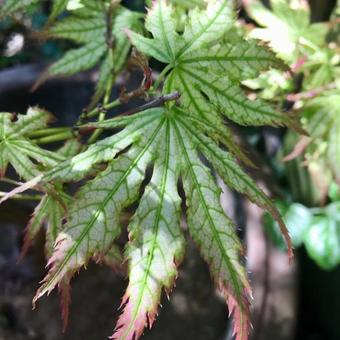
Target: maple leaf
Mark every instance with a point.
(88, 27)
(200, 51)
(287, 29)
(12, 6)
(17, 149)
(175, 141)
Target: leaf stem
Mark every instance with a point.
(56, 137)
(157, 102)
(102, 114)
(21, 197)
(10, 181)
(99, 109)
(48, 131)
(161, 76)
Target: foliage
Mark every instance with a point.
(87, 26)
(317, 228)
(181, 136)
(313, 162)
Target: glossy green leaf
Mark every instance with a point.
(322, 240)
(297, 218)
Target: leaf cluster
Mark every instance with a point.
(183, 142)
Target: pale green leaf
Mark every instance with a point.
(322, 241)
(80, 59)
(156, 244)
(17, 149)
(79, 30)
(288, 30)
(94, 216)
(214, 233)
(242, 60)
(206, 26)
(232, 174)
(199, 52)
(105, 150)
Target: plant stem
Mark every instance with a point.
(55, 138)
(10, 181)
(98, 110)
(21, 197)
(48, 131)
(161, 76)
(157, 102)
(102, 115)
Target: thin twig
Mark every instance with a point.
(20, 197)
(293, 97)
(157, 102)
(10, 181)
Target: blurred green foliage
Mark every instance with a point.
(312, 209)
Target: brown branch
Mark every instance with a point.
(293, 97)
(157, 102)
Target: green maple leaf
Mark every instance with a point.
(206, 70)
(52, 208)
(204, 49)
(288, 30)
(12, 6)
(17, 149)
(87, 27)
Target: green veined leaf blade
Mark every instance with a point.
(94, 216)
(35, 118)
(149, 47)
(4, 160)
(78, 29)
(228, 98)
(46, 157)
(205, 26)
(156, 244)
(54, 221)
(105, 78)
(77, 60)
(242, 60)
(322, 241)
(124, 20)
(237, 179)
(106, 149)
(23, 166)
(70, 148)
(160, 22)
(214, 234)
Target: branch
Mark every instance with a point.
(157, 102)
(293, 97)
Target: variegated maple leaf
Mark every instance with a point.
(176, 141)
(17, 149)
(88, 27)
